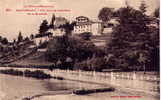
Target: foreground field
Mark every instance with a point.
(116, 95)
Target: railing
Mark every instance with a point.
(112, 75)
(132, 80)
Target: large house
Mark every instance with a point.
(83, 24)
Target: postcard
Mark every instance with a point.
(79, 50)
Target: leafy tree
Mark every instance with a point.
(26, 39)
(0, 38)
(131, 42)
(69, 46)
(86, 35)
(20, 37)
(62, 47)
(31, 36)
(105, 14)
(156, 13)
(143, 7)
(68, 27)
(44, 27)
(14, 41)
(4, 41)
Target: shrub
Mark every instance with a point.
(86, 35)
(35, 74)
(63, 47)
(95, 64)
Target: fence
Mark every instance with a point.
(131, 80)
(111, 75)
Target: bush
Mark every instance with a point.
(12, 72)
(63, 47)
(89, 91)
(86, 35)
(95, 64)
(35, 74)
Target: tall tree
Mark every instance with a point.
(31, 36)
(20, 37)
(143, 7)
(131, 43)
(105, 14)
(68, 27)
(44, 27)
(52, 21)
(156, 13)
(4, 41)
(14, 41)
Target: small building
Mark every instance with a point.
(57, 31)
(41, 38)
(83, 24)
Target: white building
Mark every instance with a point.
(83, 24)
(57, 31)
(41, 38)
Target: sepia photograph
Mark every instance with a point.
(80, 50)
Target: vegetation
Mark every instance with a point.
(64, 47)
(134, 44)
(89, 91)
(86, 35)
(156, 13)
(131, 43)
(105, 14)
(35, 74)
(44, 27)
(20, 37)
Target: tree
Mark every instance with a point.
(131, 39)
(105, 14)
(31, 36)
(143, 7)
(52, 21)
(4, 41)
(63, 47)
(156, 13)
(26, 39)
(20, 37)
(44, 27)
(86, 35)
(14, 41)
(68, 27)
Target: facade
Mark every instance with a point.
(56, 30)
(40, 40)
(83, 24)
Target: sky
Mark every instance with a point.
(13, 22)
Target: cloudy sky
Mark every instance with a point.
(13, 22)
